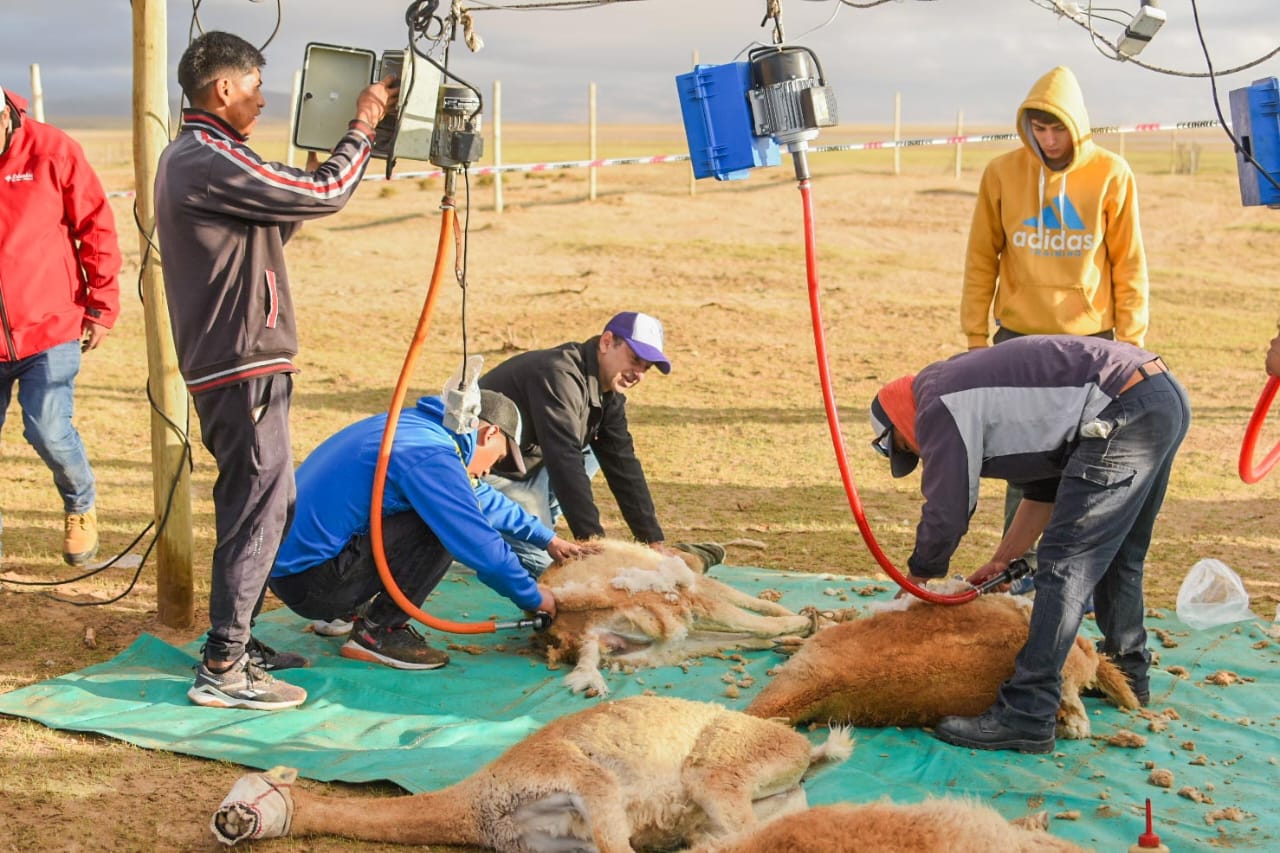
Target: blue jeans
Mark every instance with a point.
(46, 394)
(537, 498)
(1096, 542)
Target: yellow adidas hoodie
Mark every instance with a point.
(1060, 251)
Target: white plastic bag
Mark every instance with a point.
(1212, 595)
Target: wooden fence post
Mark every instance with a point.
(959, 145)
(37, 93)
(293, 115)
(170, 484)
(497, 146)
(897, 132)
(591, 131)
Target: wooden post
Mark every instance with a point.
(170, 485)
(693, 179)
(591, 131)
(897, 132)
(497, 146)
(959, 145)
(37, 93)
(293, 114)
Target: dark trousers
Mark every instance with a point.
(1096, 543)
(245, 427)
(335, 588)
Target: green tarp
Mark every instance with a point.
(423, 730)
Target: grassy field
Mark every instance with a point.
(734, 440)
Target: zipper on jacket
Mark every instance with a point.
(8, 332)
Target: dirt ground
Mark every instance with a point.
(734, 440)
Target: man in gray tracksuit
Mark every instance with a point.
(223, 216)
(1088, 429)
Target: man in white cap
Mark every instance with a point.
(575, 423)
(59, 264)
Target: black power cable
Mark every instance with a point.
(1213, 84)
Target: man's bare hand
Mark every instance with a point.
(548, 603)
(1273, 357)
(91, 335)
(914, 579)
(988, 571)
(560, 549)
(372, 103)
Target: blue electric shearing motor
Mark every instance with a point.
(1255, 117)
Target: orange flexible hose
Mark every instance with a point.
(447, 224)
(1248, 471)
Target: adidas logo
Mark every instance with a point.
(1054, 238)
(19, 176)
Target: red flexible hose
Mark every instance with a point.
(1248, 472)
(388, 438)
(833, 420)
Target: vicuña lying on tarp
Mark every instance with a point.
(646, 771)
(914, 666)
(631, 607)
(934, 826)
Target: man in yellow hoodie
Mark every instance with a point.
(1055, 246)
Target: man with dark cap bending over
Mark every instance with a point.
(1088, 428)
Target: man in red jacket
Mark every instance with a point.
(59, 296)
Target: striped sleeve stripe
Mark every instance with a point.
(346, 179)
(239, 374)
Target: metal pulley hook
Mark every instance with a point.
(773, 9)
(469, 36)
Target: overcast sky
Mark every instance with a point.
(979, 56)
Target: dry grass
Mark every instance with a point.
(734, 440)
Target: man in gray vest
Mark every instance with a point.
(1088, 428)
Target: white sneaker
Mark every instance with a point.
(331, 627)
(259, 805)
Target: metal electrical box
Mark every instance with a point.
(332, 78)
(1255, 117)
(415, 116)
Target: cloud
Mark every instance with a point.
(978, 56)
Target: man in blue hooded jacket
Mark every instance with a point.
(435, 509)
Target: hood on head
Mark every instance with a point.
(1057, 92)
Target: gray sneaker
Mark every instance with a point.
(244, 685)
(399, 646)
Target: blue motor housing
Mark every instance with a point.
(718, 124)
(1255, 119)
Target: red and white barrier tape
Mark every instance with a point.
(882, 145)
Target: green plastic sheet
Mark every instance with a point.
(424, 730)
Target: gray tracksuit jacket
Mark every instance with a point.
(223, 216)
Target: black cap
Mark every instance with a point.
(498, 409)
